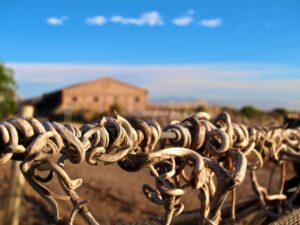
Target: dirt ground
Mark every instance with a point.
(114, 195)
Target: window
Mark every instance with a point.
(137, 99)
(96, 99)
(74, 99)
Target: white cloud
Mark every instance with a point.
(96, 20)
(152, 18)
(56, 21)
(211, 23)
(184, 20)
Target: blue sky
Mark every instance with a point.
(232, 52)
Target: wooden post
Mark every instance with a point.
(14, 195)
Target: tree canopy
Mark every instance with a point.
(251, 111)
(7, 91)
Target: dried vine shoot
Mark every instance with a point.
(210, 155)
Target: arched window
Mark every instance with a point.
(137, 99)
(96, 99)
(74, 99)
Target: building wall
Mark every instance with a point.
(100, 95)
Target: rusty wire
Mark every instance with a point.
(209, 155)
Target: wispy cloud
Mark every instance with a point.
(261, 84)
(152, 18)
(96, 20)
(56, 21)
(211, 23)
(184, 20)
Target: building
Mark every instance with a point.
(98, 95)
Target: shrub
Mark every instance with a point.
(251, 112)
(115, 107)
(279, 112)
(200, 108)
(7, 92)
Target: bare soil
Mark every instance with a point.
(114, 195)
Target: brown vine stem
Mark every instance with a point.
(79, 204)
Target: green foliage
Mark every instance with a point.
(251, 111)
(279, 112)
(200, 108)
(7, 92)
(115, 108)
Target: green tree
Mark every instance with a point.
(7, 91)
(250, 111)
(279, 112)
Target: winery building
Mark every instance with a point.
(98, 95)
